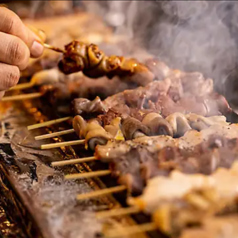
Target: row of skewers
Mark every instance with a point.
(195, 152)
(174, 123)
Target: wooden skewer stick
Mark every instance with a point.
(21, 97)
(55, 134)
(101, 192)
(62, 144)
(88, 174)
(73, 161)
(130, 230)
(50, 47)
(48, 123)
(22, 86)
(117, 212)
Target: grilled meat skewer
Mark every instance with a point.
(181, 200)
(94, 63)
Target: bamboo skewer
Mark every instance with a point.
(55, 134)
(73, 161)
(22, 86)
(88, 174)
(50, 47)
(62, 144)
(21, 97)
(117, 212)
(101, 192)
(48, 123)
(130, 230)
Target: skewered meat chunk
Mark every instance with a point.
(94, 63)
(84, 106)
(157, 125)
(179, 124)
(92, 131)
(132, 128)
(115, 149)
(181, 200)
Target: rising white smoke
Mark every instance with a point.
(188, 35)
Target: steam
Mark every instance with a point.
(188, 35)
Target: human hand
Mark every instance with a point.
(17, 44)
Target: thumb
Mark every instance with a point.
(38, 38)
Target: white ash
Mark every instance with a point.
(65, 217)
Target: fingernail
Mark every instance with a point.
(37, 49)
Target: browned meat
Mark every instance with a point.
(83, 106)
(136, 163)
(93, 63)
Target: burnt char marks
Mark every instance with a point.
(22, 165)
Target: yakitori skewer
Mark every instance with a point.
(89, 59)
(202, 196)
(134, 165)
(43, 77)
(21, 97)
(48, 123)
(176, 120)
(93, 133)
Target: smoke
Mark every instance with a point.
(188, 35)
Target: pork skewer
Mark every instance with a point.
(152, 92)
(212, 153)
(134, 162)
(152, 124)
(155, 126)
